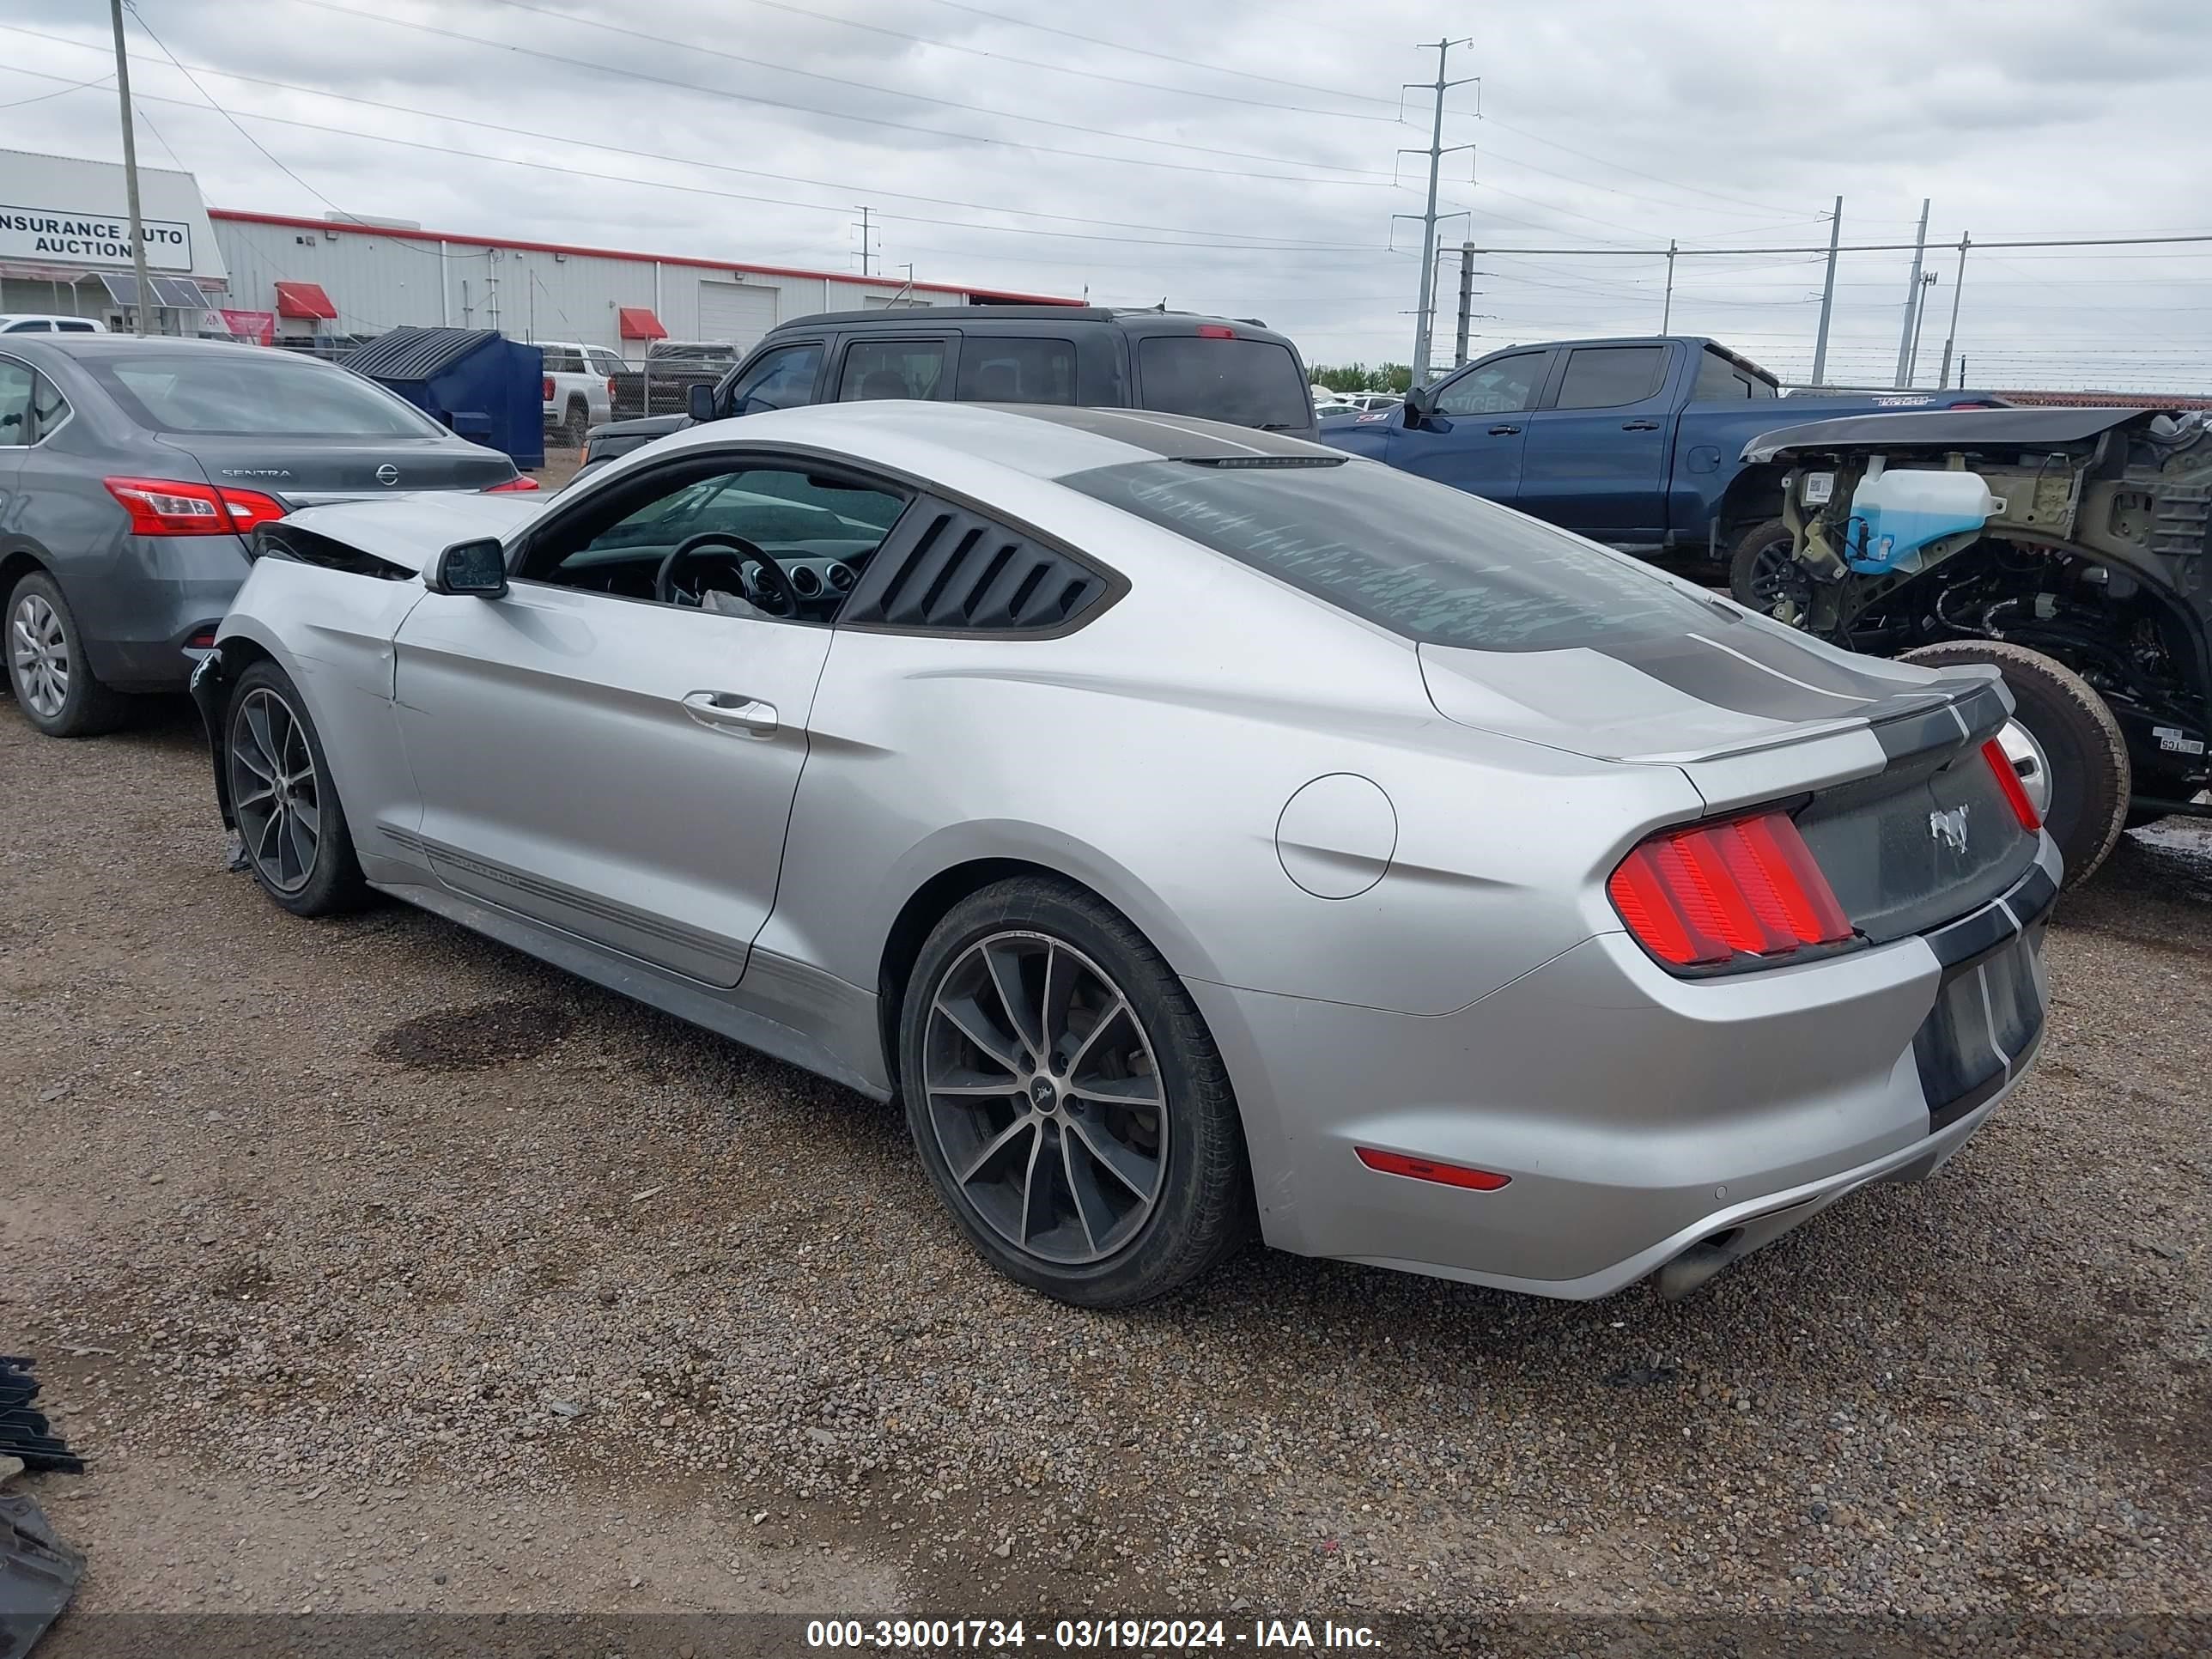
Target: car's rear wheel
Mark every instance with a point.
(289, 817)
(2086, 754)
(578, 426)
(1763, 571)
(1066, 1100)
(47, 671)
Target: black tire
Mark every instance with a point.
(1202, 1209)
(86, 708)
(578, 426)
(1757, 576)
(2090, 774)
(329, 882)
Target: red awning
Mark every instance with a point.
(638, 323)
(304, 300)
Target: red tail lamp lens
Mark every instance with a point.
(1215, 331)
(515, 486)
(171, 506)
(1706, 895)
(1424, 1169)
(2009, 780)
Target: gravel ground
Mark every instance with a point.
(373, 1266)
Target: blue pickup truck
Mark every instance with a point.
(1633, 442)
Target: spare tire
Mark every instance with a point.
(2090, 775)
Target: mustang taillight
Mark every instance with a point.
(2008, 781)
(1740, 893)
(169, 507)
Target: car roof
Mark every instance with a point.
(1043, 440)
(94, 345)
(1139, 319)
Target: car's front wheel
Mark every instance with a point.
(53, 683)
(289, 818)
(1066, 1100)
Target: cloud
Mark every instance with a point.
(1012, 154)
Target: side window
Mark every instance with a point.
(782, 380)
(606, 362)
(1500, 388)
(818, 532)
(39, 326)
(15, 404)
(49, 409)
(563, 363)
(891, 369)
(1016, 371)
(73, 328)
(1607, 377)
(1718, 380)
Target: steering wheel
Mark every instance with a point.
(771, 591)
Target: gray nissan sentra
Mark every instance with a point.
(131, 471)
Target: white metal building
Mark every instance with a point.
(332, 276)
(65, 241)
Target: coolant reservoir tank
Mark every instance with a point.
(1901, 511)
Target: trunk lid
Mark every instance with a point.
(305, 471)
(1879, 762)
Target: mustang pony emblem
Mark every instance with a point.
(1949, 827)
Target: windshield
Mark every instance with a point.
(1421, 559)
(253, 392)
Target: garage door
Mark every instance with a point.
(739, 312)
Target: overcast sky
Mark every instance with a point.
(1239, 155)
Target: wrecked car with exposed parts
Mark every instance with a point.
(2067, 547)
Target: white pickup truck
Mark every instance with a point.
(579, 388)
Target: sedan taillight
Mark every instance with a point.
(169, 507)
(515, 486)
(1743, 893)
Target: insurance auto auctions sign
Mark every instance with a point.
(54, 234)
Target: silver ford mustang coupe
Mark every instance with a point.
(1194, 827)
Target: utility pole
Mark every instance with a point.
(1465, 301)
(1425, 318)
(1951, 338)
(1667, 308)
(1827, 296)
(863, 228)
(1911, 300)
(131, 171)
(1919, 316)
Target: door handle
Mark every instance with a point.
(1503, 431)
(731, 712)
(1639, 426)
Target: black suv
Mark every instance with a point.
(1091, 355)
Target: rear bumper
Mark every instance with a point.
(1640, 1117)
(141, 615)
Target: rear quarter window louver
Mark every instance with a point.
(948, 570)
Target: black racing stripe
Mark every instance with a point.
(1705, 672)
(1172, 437)
(2031, 900)
(1972, 936)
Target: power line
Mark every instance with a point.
(99, 81)
(1164, 58)
(1859, 247)
(132, 7)
(1039, 64)
(570, 171)
(1380, 181)
(898, 92)
(1277, 243)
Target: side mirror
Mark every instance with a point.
(477, 568)
(1419, 400)
(700, 401)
